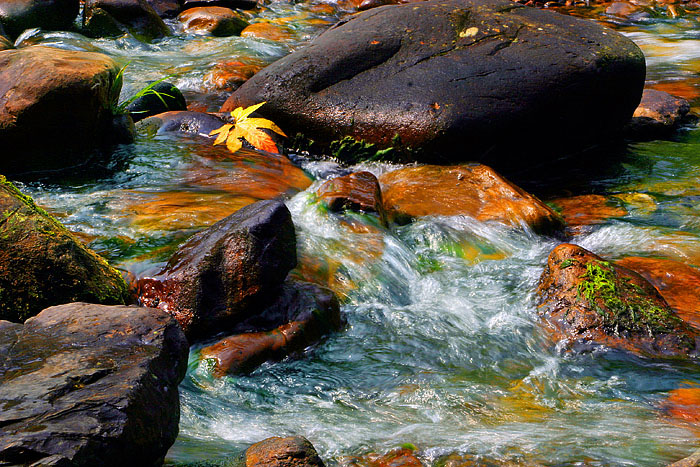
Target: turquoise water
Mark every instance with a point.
(443, 348)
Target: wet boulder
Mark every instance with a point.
(165, 8)
(168, 99)
(677, 282)
(588, 302)
(294, 451)
(232, 4)
(269, 31)
(358, 191)
(226, 273)
(85, 385)
(300, 316)
(42, 264)
(18, 15)
(659, 112)
(111, 18)
(195, 123)
(214, 20)
(473, 190)
(400, 457)
(455, 80)
(37, 86)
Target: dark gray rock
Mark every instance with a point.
(87, 385)
(195, 123)
(455, 80)
(150, 104)
(108, 18)
(226, 272)
(232, 4)
(659, 112)
(18, 15)
(166, 8)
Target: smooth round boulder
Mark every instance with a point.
(109, 18)
(42, 264)
(294, 451)
(455, 80)
(18, 15)
(55, 107)
(659, 112)
(215, 20)
(168, 99)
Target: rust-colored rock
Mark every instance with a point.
(214, 20)
(400, 457)
(473, 190)
(587, 301)
(62, 95)
(42, 264)
(226, 273)
(358, 191)
(269, 31)
(678, 283)
(295, 451)
(583, 210)
(231, 74)
(300, 316)
(658, 111)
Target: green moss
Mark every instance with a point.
(622, 305)
(351, 151)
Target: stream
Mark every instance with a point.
(443, 348)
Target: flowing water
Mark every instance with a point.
(443, 348)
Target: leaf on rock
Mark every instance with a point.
(250, 129)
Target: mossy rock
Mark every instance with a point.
(587, 300)
(42, 264)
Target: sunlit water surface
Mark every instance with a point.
(443, 348)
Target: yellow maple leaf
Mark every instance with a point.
(247, 128)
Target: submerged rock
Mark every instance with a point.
(358, 191)
(301, 315)
(473, 190)
(42, 264)
(400, 457)
(588, 301)
(18, 15)
(658, 112)
(170, 99)
(232, 4)
(455, 80)
(584, 210)
(224, 274)
(196, 123)
(214, 20)
(678, 283)
(87, 385)
(55, 107)
(109, 18)
(269, 31)
(294, 451)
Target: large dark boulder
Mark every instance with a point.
(588, 302)
(42, 264)
(455, 80)
(55, 107)
(227, 272)
(87, 385)
(108, 18)
(18, 15)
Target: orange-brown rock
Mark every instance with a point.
(621, 9)
(657, 112)
(62, 95)
(473, 190)
(231, 74)
(401, 457)
(587, 301)
(302, 314)
(678, 283)
(269, 31)
(584, 210)
(683, 404)
(358, 191)
(214, 20)
(294, 451)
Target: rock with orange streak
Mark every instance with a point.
(215, 20)
(302, 314)
(678, 283)
(229, 75)
(589, 302)
(269, 31)
(401, 457)
(473, 190)
(358, 191)
(683, 404)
